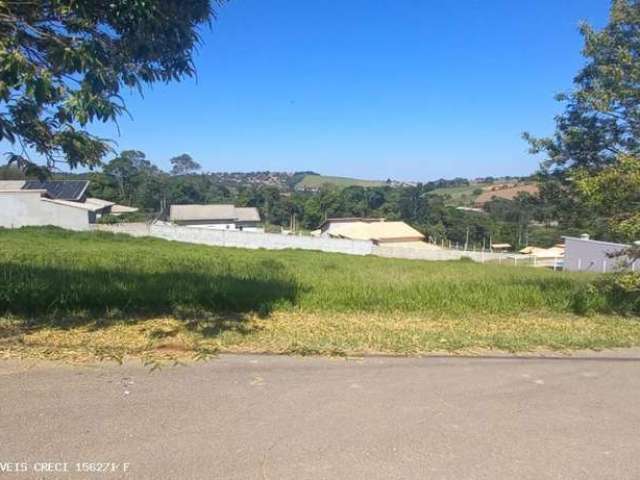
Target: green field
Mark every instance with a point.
(317, 181)
(460, 196)
(71, 295)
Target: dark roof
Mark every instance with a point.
(59, 189)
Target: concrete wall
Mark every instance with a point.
(444, 254)
(133, 229)
(226, 226)
(272, 241)
(584, 255)
(244, 239)
(26, 208)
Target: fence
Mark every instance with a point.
(450, 254)
(275, 241)
(234, 238)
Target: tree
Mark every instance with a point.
(183, 165)
(64, 62)
(132, 179)
(615, 193)
(602, 115)
(600, 126)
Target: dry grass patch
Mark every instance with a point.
(327, 334)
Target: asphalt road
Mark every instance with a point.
(259, 417)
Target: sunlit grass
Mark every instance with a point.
(71, 294)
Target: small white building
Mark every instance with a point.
(586, 255)
(216, 217)
(60, 203)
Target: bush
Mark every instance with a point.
(613, 293)
(108, 220)
(621, 292)
(587, 299)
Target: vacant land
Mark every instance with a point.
(317, 181)
(66, 294)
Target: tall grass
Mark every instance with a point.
(49, 271)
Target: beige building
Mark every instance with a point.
(377, 230)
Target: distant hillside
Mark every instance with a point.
(478, 193)
(281, 180)
(506, 192)
(314, 182)
(462, 196)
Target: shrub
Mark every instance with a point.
(587, 299)
(108, 219)
(613, 293)
(621, 292)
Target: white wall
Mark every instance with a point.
(25, 208)
(274, 241)
(226, 226)
(444, 254)
(270, 241)
(583, 255)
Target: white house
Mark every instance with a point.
(61, 203)
(217, 217)
(586, 255)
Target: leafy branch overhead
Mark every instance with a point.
(63, 64)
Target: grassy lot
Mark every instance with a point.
(317, 181)
(460, 196)
(76, 295)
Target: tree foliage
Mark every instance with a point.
(614, 192)
(598, 134)
(63, 64)
(602, 116)
(183, 165)
(131, 178)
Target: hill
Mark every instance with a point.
(478, 193)
(462, 196)
(314, 182)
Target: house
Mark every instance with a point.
(331, 224)
(61, 203)
(585, 255)
(556, 251)
(501, 247)
(376, 230)
(217, 217)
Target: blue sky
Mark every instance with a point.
(403, 89)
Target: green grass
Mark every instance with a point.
(460, 196)
(62, 293)
(317, 181)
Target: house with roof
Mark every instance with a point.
(61, 203)
(216, 217)
(376, 230)
(582, 254)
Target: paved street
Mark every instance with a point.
(261, 417)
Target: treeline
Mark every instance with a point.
(131, 179)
